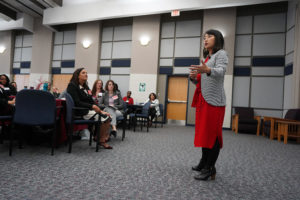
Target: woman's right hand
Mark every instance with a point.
(96, 109)
(105, 113)
(12, 102)
(193, 74)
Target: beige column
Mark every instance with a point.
(144, 59)
(6, 58)
(224, 20)
(296, 62)
(41, 53)
(88, 57)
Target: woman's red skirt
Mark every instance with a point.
(209, 120)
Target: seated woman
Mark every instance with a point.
(5, 82)
(82, 97)
(98, 91)
(128, 99)
(6, 105)
(154, 106)
(113, 103)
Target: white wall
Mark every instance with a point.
(23, 21)
(104, 9)
(135, 79)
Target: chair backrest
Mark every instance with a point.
(70, 105)
(35, 107)
(293, 114)
(145, 109)
(244, 112)
(161, 109)
(124, 106)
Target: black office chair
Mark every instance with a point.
(143, 117)
(71, 120)
(35, 108)
(123, 119)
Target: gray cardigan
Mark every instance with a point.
(212, 86)
(118, 103)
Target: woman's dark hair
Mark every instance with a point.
(106, 85)
(95, 87)
(75, 78)
(117, 87)
(7, 80)
(219, 42)
(153, 95)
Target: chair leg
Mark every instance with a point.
(97, 129)
(11, 137)
(285, 134)
(155, 120)
(148, 124)
(134, 123)
(142, 123)
(53, 141)
(279, 132)
(124, 127)
(2, 133)
(70, 133)
(21, 137)
(91, 135)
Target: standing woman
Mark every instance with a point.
(209, 100)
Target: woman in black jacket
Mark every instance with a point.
(6, 105)
(82, 97)
(5, 82)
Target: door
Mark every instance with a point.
(177, 100)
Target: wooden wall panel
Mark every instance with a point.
(61, 81)
(21, 80)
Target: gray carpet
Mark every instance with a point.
(154, 165)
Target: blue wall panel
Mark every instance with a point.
(288, 69)
(25, 64)
(105, 70)
(242, 71)
(166, 70)
(121, 63)
(56, 70)
(181, 62)
(268, 61)
(16, 70)
(68, 63)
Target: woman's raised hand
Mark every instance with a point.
(200, 68)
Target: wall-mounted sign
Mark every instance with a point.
(142, 87)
